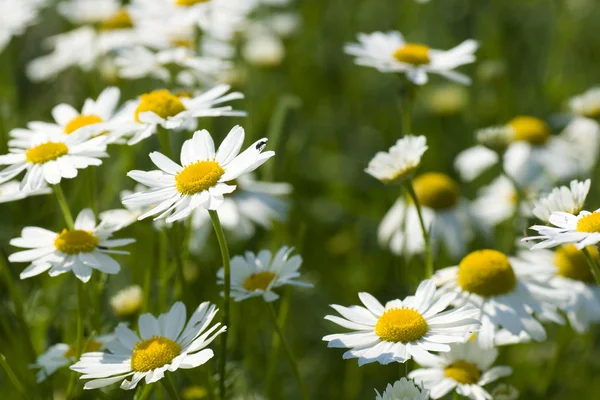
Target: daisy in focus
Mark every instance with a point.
(400, 162)
(389, 52)
(404, 390)
(466, 368)
(81, 250)
(566, 199)
(176, 191)
(164, 344)
(402, 329)
(259, 274)
(10, 191)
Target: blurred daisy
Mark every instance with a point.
(47, 158)
(586, 104)
(259, 274)
(176, 191)
(444, 211)
(466, 368)
(402, 329)
(16, 16)
(127, 301)
(10, 191)
(499, 201)
(80, 250)
(264, 50)
(582, 230)
(400, 162)
(162, 345)
(506, 291)
(403, 390)
(567, 199)
(84, 12)
(389, 52)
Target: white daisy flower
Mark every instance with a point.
(400, 162)
(264, 50)
(402, 329)
(162, 345)
(506, 291)
(16, 16)
(389, 52)
(47, 158)
(583, 137)
(259, 274)
(142, 117)
(80, 250)
(445, 213)
(586, 104)
(567, 199)
(582, 230)
(176, 191)
(82, 12)
(10, 191)
(127, 301)
(466, 368)
(498, 201)
(403, 390)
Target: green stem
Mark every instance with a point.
(12, 377)
(64, 206)
(289, 352)
(92, 189)
(142, 392)
(169, 386)
(226, 291)
(177, 243)
(456, 396)
(593, 265)
(428, 259)
(284, 105)
(163, 265)
(409, 93)
(276, 342)
(79, 340)
(165, 141)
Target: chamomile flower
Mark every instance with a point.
(47, 158)
(259, 274)
(400, 162)
(566, 199)
(80, 250)
(163, 344)
(264, 50)
(404, 329)
(586, 104)
(127, 301)
(582, 230)
(10, 191)
(403, 390)
(389, 52)
(506, 291)
(16, 16)
(498, 201)
(466, 368)
(176, 191)
(83, 12)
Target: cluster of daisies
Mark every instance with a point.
(460, 315)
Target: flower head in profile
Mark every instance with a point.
(400, 162)
(127, 301)
(402, 329)
(582, 230)
(586, 104)
(466, 368)
(389, 52)
(80, 250)
(403, 390)
(259, 274)
(566, 199)
(164, 344)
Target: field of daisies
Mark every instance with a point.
(299, 199)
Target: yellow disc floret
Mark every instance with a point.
(76, 241)
(259, 281)
(401, 325)
(486, 273)
(589, 223)
(463, 372)
(188, 3)
(198, 177)
(161, 102)
(80, 121)
(121, 20)
(572, 264)
(154, 353)
(436, 190)
(413, 53)
(42, 153)
(530, 129)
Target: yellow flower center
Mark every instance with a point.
(413, 53)
(198, 177)
(259, 281)
(188, 43)
(153, 353)
(436, 190)
(121, 20)
(76, 241)
(590, 223)
(80, 121)
(486, 273)
(161, 102)
(89, 347)
(592, 111)
(194, 393)
(572, 264)
(188, 3)
(401, 325)
(530, 129)
(463, 372)
(45, 152)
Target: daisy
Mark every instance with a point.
(80, 250)
(506, 291)
(582, 230)
(403, 390)
(163, 344)
(264, 50)
(389, 52)
(402, 329)
(400, 162)
(586, 104)
(566, 199)
(16, 16)
(47, 158)
(127, 301)
(10, 191)
(466, 368)
(176, 191)
(84, 12)
(259, 274)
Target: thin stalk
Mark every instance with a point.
(92, 189)
(593, 265)
(64, 206)
(289, 352)
(142, 392)
(428, 259)
(456, 396)
(177, 243)
(165, 141)
(169, 386)
(163, 265)
(79, 340)
(13, 377)
(226, 294)
(409, 92)
(276, 342)
(285, 104)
